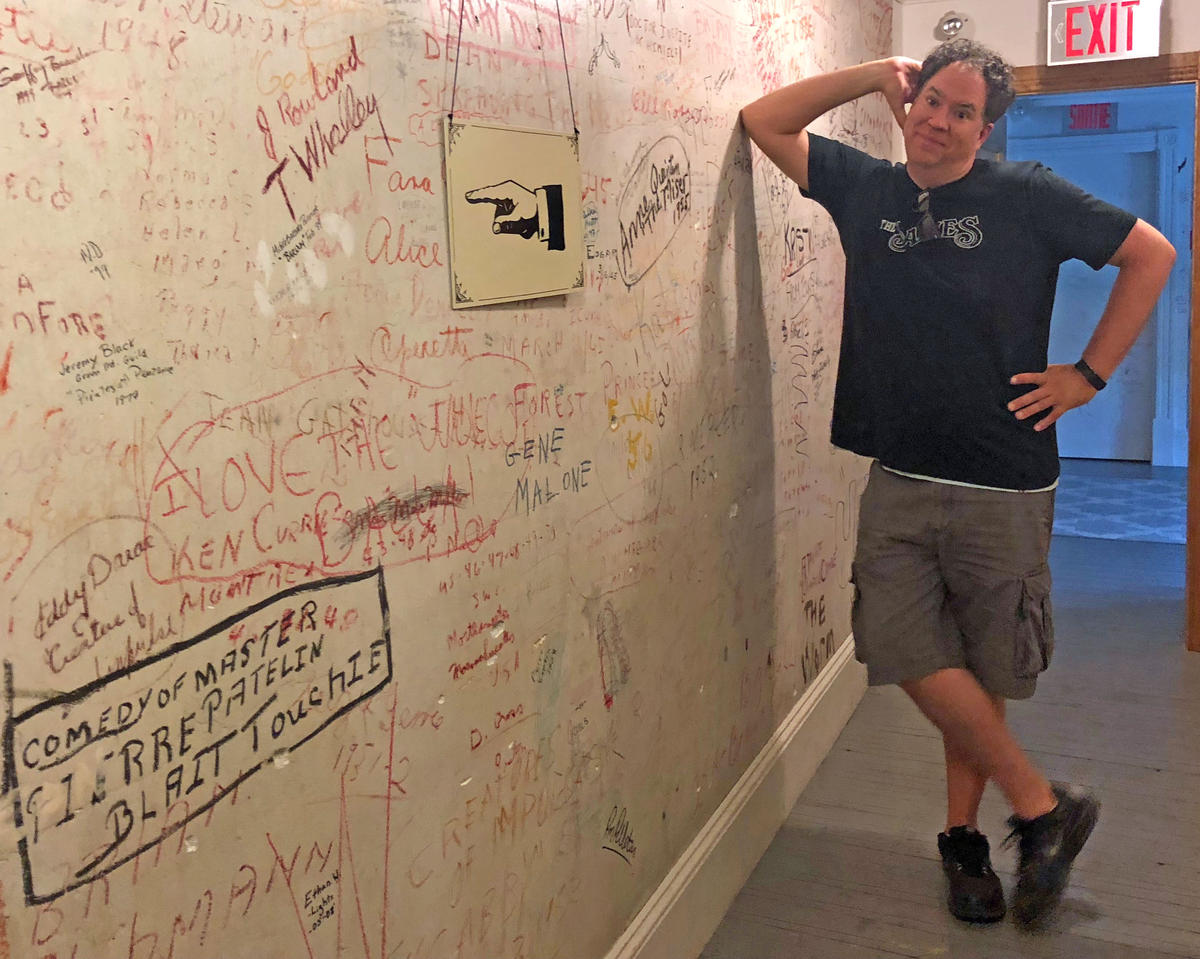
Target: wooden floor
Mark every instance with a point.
(855, 873)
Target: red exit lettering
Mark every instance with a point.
(1091, 116)
(1101, 21)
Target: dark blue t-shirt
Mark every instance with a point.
(933, 330)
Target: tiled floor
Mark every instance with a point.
(1105, 499)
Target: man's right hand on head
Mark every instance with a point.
(900, 85)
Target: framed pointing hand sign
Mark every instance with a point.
(516, 221)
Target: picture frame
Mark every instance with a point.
(514, 202)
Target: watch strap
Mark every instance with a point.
(1096, 381)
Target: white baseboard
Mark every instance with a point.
(684, 911)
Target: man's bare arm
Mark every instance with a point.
(778, 121)
(1144, 262)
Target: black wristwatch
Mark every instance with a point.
(1097, 382)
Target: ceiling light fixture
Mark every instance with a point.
(952, 25)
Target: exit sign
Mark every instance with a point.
(1089, 32)
(1091, 116)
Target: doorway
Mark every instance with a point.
(1133, 148)
(1087, 80)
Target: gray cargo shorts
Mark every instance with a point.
(952, 577)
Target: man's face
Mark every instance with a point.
(945, 126)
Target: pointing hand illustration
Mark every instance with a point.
(516, 207)
(523, 212)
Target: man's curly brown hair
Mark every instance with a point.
(997, 74)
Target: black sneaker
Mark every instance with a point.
(1048, 846)
(975, 893)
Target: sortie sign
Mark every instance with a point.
(1089, 32)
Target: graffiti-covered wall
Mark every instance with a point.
(339, 622)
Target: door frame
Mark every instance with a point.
(1153, 71)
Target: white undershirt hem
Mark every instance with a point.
(948, 482)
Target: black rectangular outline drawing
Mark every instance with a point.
(11, 784)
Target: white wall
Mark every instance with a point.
(1017, 28)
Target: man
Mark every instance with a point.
(951, 266)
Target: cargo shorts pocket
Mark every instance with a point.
(1035, 626)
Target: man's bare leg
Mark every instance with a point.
(965, 781)
(969, 721)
